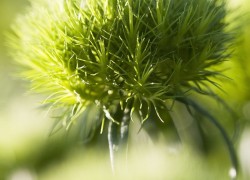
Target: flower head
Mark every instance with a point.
(114, 55)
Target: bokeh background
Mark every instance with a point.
(27, 152)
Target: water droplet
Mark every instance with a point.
(233, 173)
(110, 92)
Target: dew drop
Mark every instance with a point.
(110, 92)
(233, 173)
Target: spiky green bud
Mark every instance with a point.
(122, 57)
(120, 51)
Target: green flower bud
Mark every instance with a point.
(122, 57)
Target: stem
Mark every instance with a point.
(124, 130)
(214, 121)
(118, 137)
(113, 145)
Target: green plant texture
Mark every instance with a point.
(121, 59)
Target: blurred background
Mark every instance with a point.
(27, 152)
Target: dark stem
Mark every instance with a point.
(118, 137)
(214, 121)
(124, 130)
